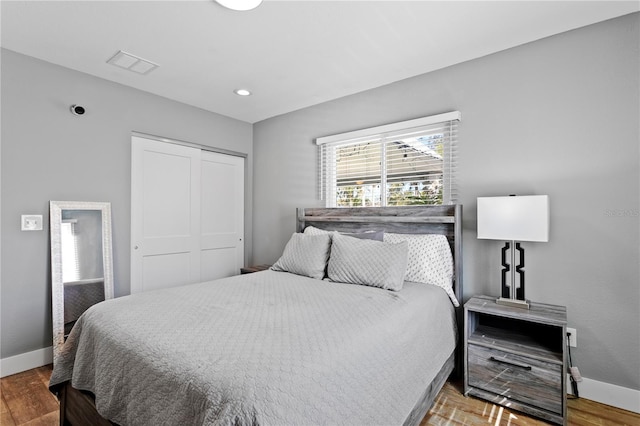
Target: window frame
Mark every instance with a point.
(327, 176)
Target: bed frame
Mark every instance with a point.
(78, 407)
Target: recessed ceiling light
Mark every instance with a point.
(242, 92)
(132, 63)
(241, 5)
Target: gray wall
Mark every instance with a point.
(50, 154)
(558, 116)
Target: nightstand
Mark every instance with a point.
(517, 357)
(252, 269)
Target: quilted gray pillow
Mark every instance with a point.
(305, 255)
(368, 262)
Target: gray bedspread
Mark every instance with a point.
(268, 348)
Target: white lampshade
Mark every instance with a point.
(241, 5)
(514, 218)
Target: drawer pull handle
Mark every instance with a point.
(514, 364)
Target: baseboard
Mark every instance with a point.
(606, 393)
(26, 361)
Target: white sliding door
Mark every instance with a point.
(182, 199)
(222, 217)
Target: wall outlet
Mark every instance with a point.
(31, 222)
(573, 339)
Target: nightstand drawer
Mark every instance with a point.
(516, 377)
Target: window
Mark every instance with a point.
(406, 163)
(69, 245)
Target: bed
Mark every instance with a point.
(277, 347)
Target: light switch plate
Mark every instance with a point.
(32, 222)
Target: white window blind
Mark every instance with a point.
(407, 163)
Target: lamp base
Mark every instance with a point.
(514, 303)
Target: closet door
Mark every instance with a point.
(165, 215)
(222, 217)
(187, 215)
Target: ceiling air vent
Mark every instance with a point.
(132, 63)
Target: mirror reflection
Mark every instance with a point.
(82, 266)
(81, 262)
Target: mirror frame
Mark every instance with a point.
(57, 285)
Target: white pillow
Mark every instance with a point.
(305, 255)
(430, 260)
(368, 262)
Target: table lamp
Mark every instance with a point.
(513, 219)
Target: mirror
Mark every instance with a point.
(81, 262)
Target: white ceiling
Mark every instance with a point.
(290, 54)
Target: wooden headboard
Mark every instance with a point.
(445, 220)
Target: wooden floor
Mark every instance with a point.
(453, 408)
(26, 400)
